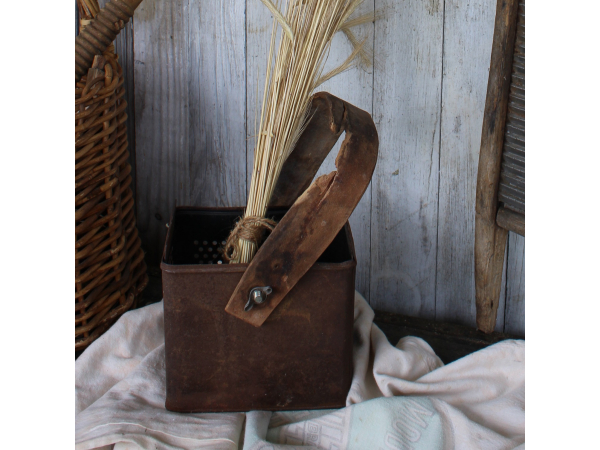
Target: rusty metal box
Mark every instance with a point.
(300, 358)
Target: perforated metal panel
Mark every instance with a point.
(511, 191)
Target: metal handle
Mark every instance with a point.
(317, 215)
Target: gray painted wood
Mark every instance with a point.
(259, 24)
(217, 103)
(514, 321)
(162, 117)
(502, 301)
(468, 31)
(406, 109)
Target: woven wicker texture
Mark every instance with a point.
(110, 272)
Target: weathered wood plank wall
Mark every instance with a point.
(162, 117)
(407, 93)
(514, 316)
(199, 68)
(468, 31)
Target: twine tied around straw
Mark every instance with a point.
(250, 229)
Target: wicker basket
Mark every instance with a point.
(110, 272)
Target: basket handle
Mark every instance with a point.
(317, 215)
(99, 34)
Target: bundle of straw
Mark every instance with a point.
(308, 27)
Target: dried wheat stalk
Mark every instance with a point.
(292, 76)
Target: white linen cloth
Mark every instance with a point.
(401, 397)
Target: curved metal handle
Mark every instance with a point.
(317, 215)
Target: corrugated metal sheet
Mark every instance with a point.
(512, 177)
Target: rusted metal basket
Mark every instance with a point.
(274, 334)
(110, 272)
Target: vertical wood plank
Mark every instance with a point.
(161, 116)
(217, 102)
(124, 46)
(514, 321)
(502, 300)
(406, 109)
(468, 31)
(259, 24)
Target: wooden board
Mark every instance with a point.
(259, 24)
(468, 31)
(217, 103)
(161, 117)
(510, 220)
(514, 318)
(406, 109)
(502, 300)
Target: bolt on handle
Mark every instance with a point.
(257, 296)
(99, 34)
